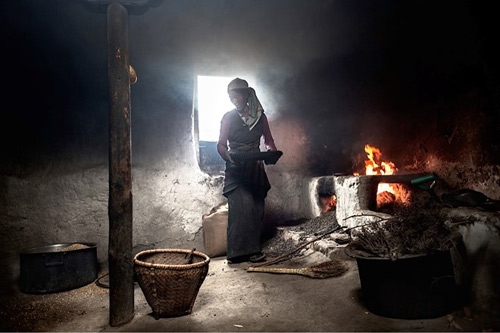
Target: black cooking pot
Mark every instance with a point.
(58, 267)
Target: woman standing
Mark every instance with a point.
(245, 183)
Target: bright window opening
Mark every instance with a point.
(213, 103)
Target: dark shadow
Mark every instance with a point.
(357, 296)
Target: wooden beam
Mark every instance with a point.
(121, 269)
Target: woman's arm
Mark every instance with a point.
(268, 137)
(223, 135)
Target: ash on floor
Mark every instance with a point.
(278, 245)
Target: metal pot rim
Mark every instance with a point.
(53, 248)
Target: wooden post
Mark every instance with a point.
(121, 268)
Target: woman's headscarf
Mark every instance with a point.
(255, 108)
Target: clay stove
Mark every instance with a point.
(357, 196)
(356, 204)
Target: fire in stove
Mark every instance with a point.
(387, 194)
(377, 194)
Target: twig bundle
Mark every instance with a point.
(415, 229)
(332, 268)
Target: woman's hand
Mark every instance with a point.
(228, 156)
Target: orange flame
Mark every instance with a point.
(374, 165)
(327, 203)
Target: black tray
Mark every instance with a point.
(269, 157)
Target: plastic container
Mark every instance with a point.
(215, 233)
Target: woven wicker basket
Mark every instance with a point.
(170, 279)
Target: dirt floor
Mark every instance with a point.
(233, 299)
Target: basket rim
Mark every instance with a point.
(139, 262)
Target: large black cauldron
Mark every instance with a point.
(410, 287)
(58, 267)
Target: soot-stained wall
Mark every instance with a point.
(418, 79)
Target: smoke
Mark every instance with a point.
(344, 73)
